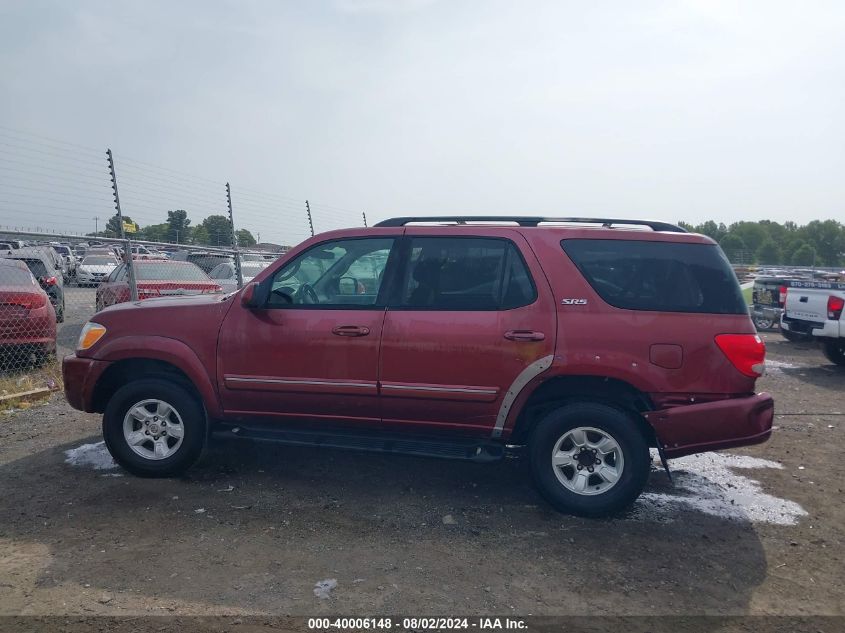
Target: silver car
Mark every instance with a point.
(225, 275)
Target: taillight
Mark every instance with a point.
(834, 307)
(747, 352)
(49, 281)
(30, 301)
(782, 295)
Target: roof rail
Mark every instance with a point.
(523, 220)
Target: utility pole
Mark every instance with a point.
(177, 235)
(127, 245)
(96, 219)
(364, 214)
(234, 238)
(310, 221)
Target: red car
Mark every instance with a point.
(154, 279)
(584, 341)
(27, 318)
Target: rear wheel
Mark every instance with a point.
(154, 428)
(763, 323)
(790, 336)
(589, 459)
(835, 353)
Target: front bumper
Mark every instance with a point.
(80, 377)
(697, 428)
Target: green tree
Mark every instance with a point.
(751, 233)
(828, 238)
(769, 252)
(217, 231)
(113, 225)
(155, 232)
(199, 235)
(178, 226)
(805, 255)
(245, 238)
(733, 246)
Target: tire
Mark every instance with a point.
(554, 433)
(60, 313)
(792, 337)
(762, 323)
(835, 353)
(180, 453)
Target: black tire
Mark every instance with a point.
(617, 424)
(189, 410)
(763, 323)
(835, 353)
(60, 313)
(792, 337)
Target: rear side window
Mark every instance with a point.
(454, 273)
(658, 276)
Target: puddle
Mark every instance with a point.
(709, 483)
(94, 456)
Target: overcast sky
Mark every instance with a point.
(669, 110)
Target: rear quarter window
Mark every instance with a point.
(658, 276)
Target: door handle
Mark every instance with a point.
(524, 335)
(351, 330)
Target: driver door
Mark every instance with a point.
(311, 352)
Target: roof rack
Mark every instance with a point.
(522, 220)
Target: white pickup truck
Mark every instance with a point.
(812, 311)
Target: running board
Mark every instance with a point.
(458, 448)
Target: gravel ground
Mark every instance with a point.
(253, 528)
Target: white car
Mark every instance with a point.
(225, 275)
(94, 269)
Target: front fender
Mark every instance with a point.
(168, 350)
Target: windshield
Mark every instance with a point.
(99, 261)
(169, 272)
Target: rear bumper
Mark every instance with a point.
(698, 428)
(80, 377)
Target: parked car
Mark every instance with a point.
(94, 269)
(154, 279)
(768, 297)
(813, 311)
(69, 260)
(225, 274)
(43, 267)
(205, 260)
(586, 345)
(27, 318)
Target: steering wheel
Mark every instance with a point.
(307, 294)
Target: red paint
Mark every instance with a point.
(443, 372)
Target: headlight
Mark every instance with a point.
(90, 334)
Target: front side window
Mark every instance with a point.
(455, 273)
(342, 273)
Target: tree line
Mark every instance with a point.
(818, 243)
(214, 230)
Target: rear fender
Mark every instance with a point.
(168, 350)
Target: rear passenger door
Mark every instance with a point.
(470, 317)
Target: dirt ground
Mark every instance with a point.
(254, 527)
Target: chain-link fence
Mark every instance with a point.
(50, 285)
(69, 214)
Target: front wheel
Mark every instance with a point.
(589, 459)
(154, 428)
(834, 352)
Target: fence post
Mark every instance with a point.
(310, 222)
(127, 244)
(234, 238)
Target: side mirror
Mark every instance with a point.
(249, 298)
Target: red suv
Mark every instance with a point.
(584, 341)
